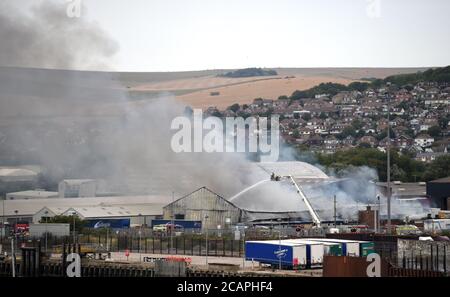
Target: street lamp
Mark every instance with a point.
(172, 222)
(379, 214)
(279, 239)
(3, 217)
(206, 226)
(73, 213)
(46, 230)
(140, 234)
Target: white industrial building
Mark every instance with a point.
(33, 210)
(31, 194)
(71, 188)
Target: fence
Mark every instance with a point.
(184, 245)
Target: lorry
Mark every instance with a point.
(329, 248)
(314, 251)
(39, 230)
(350, 247)
(275, 253)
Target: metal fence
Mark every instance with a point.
(182, 245)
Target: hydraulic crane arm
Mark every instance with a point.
(312, 212)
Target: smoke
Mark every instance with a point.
(45, 37)
(78, 124)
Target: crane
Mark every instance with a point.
(312, 212)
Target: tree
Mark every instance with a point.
(235, 107)
(306, 116)
(439, 168)
(79, 223)
(434, 131)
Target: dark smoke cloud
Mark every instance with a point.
(45, 37)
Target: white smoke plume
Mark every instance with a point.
(80, 124)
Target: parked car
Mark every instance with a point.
(160, 228)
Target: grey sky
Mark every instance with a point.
(172, 35)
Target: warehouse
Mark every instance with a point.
(18, 178)
(70, 188)
(32, 210)
(204, 205)
(439, 192)
(31, 194)
(403, 190)
(132, 215)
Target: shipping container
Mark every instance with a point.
(329, 248)
(39, 230)
(366, 248)
(314, 250)
(349, 247)
(273, 252)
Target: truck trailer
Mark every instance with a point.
(55, 229)
(314, 251)
(329, 248)
(289, 255)
(355, 248)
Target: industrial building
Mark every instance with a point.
(216, 212)
(33, 210)
(404, 191)
(204, 205)
(31, 194)
(18, 178)
(70, 188)
(439, 192)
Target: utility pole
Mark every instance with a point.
(172, 223)
(3, 217)
(335, 211)
(379, 214)
(74, 238)
(279, 239)
(389, 166)
(13, 259)
(206, 228)
(46, 231)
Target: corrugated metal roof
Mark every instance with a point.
(34, 194)
(30, 207)
(87, 212)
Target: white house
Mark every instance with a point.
(424, 140)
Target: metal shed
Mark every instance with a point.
(202, 203)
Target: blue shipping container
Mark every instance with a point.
(270, 252)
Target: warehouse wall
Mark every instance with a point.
(202, 202)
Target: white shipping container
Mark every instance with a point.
(39, 230)
(351, 247)
(316, 249)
